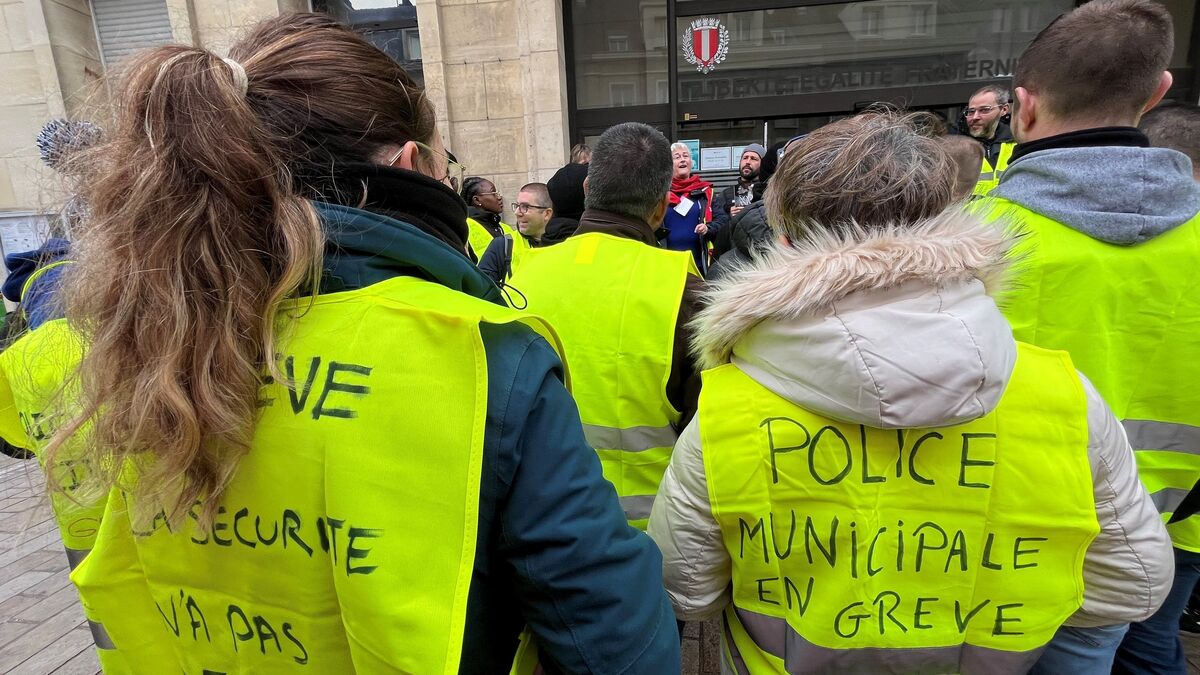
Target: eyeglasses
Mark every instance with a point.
(783, 150)
(493, 192)
(519, 208)
(454, 170)
(982, 110)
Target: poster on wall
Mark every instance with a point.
(22, 232)
(694, 147)
(716, 159)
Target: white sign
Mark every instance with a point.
(684, 206)
(716, 159)
(22, 232)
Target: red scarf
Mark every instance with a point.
(682, 187)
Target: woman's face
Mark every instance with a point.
(682, 160)
(488, 198)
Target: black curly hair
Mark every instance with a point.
(471, 186)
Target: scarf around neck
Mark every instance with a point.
(686, 187)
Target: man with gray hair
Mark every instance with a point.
(620, 304)
(984, 118)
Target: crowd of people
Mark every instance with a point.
(895, 401)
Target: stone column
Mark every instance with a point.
(48, 61)
(494, 73)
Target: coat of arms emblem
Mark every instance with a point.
(705, 43)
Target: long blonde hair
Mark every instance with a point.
(200, 227)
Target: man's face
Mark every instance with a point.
(983, 114)
(749, 166)
(682, 163)
(532, 215)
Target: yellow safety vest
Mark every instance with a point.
(520, 248)
(900, 550)
(615, 302)
(989, 176)
(516, 248)
(478, 236)
(35, 372)
(1130, 317)
(347, 538)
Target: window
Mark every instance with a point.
(125, 26)
(1030, 19)
(743, 27)
(856, 46)
(412, 44)
(655, 34)
(622, 94)
(923, 17)
(1001, 19)
(871, 18)
(390, 25)
(662, 91)
(622, 43)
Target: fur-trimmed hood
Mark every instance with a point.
(893, 328)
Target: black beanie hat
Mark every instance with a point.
(566, 190)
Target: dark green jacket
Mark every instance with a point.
(554, 549)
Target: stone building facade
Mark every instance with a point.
(515, 82)
(493, 69)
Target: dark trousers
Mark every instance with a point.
(1152, 647)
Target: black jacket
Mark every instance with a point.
(749, 232)
(991, 146)
(720, 230)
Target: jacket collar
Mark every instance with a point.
(486, 218)
(893, 328)
(618, 225)
(810, 276)
(364, 248)
(1114, 137)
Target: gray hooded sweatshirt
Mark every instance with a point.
(1119, 195)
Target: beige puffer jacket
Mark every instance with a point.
(896, 329)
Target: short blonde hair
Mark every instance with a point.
(873, 170)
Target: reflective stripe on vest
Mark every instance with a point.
(856, 549)
(38, 274)
(478, 236)
(1151, 435)
(615, 303)
(775, 637)
(1128, 315)
(989, 177)
(346, 540)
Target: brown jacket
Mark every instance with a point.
(683, 385)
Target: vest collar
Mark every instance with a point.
(607, 222)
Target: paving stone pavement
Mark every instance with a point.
(1191, 647)
(42, 629)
